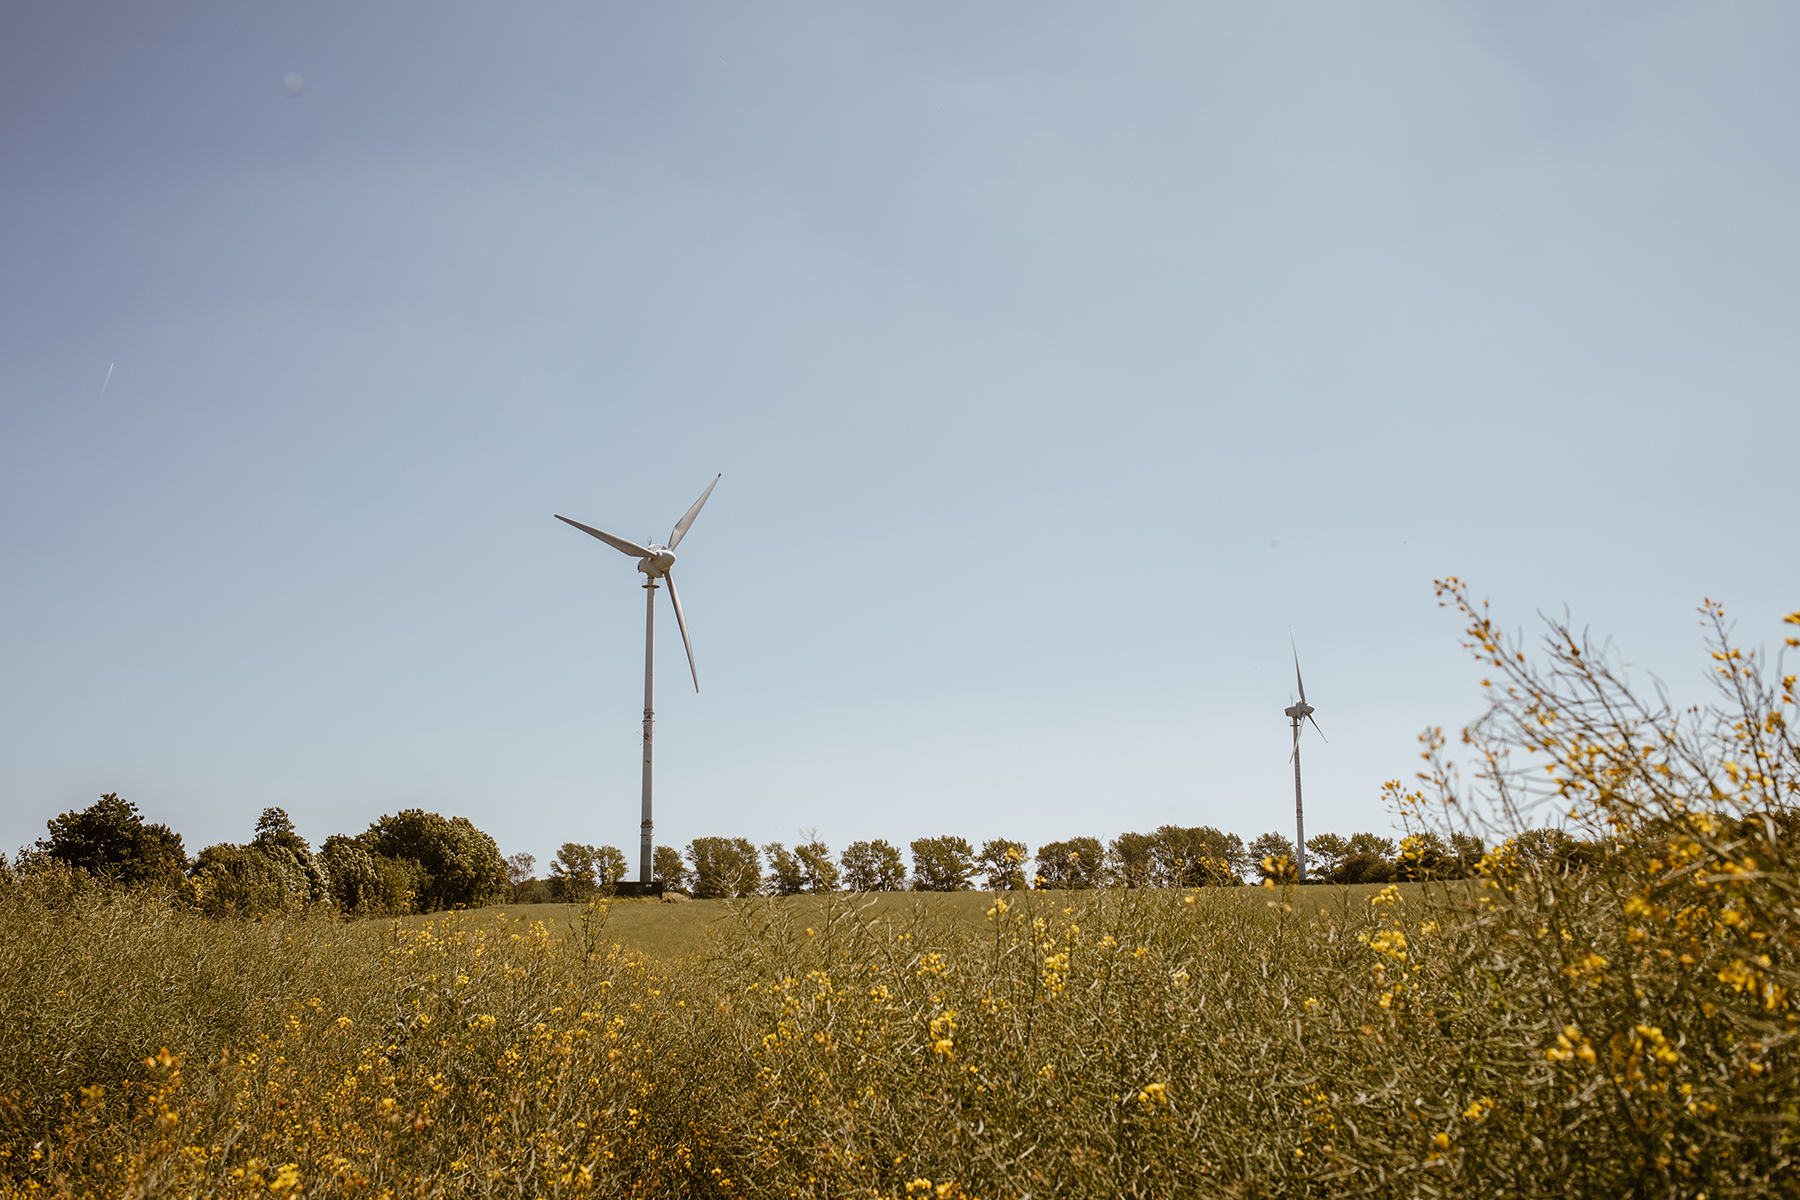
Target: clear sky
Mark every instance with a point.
(1060, 358)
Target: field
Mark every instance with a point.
(1618, 1026)
(677, 930)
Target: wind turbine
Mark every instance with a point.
(655, 561)
(1299, 714)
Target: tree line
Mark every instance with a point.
(410, 861)
(1171, 856)
(418, 861)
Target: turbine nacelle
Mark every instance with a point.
(658, 563)
(1300, 711)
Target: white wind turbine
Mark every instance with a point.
(1299, 714)
(655, 562)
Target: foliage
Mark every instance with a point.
(110, 840)
(1269, 848)
(1324, 851)
(1131, 860)
(818, 872)
(724, 867)
(874, 866)
(1076, 863)
(942, 864)
(1197, 857)
(786, 876)
(356, 883)
(519, 867)
(458, 864)
(1002, 865)
(667, 865)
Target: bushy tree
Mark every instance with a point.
(667, 866)
(1370, 843)
(573, 874)
(1198, 857)
(242, 881)
(275, 872)
(724, 867)
(1002, 864)
(874, 867)
(110, 840)
(819, 872)
(1324, 851)
(610, 864)
(461, 865)
(1072, 864)
(786, 876)
(356, 884)
(278, 841)
(518, 867)
(1130, 860)
(942, 864)
(1272, 857)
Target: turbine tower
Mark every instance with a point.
(1299, 714)
(654, 561)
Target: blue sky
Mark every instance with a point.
(1059, 359)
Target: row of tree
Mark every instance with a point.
(411, 861)
(1172, 856)
(418, 861)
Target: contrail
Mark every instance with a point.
(109, 371)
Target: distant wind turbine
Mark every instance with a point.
(1299, 714)
(655, 562)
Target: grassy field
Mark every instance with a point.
(677, 930)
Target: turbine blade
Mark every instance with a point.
(1296, 748)
(617, 543)
(1315, 725)
(681, 526)
(1297, 678)
(681, 620)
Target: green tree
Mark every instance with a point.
(786, 876)
(1272, 857)
(356, 885)
(278, 841)
(724, 867)
(1130, 861)
(242, 881)
(574, 874)
(1002, 865)
(111, 841)
(821, 874)
(874, 867)
(610, 864)
(460, 865)
(668, 867)
(1324, 851)
(1198, 857)
(1070, 865)
(1370, 843)
(942, 864)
